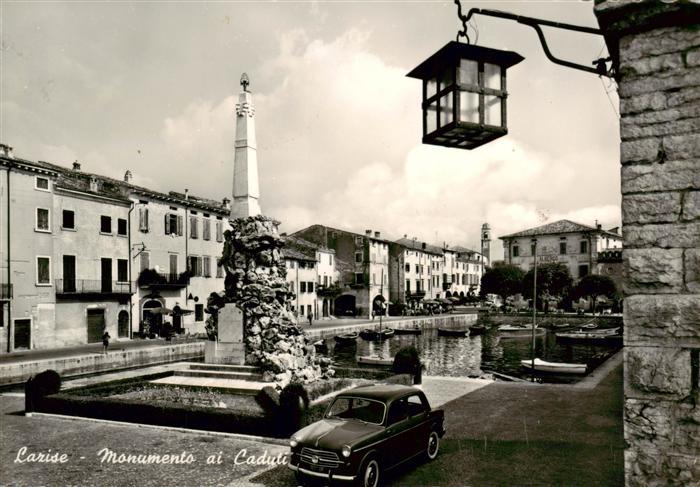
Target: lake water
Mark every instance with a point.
(464, 357)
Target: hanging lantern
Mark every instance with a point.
(464, 95)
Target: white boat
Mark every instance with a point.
(607, 333)
(375, 361)
(513, 331)
(555, 367)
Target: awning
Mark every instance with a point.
(445, 301)
(159, 311)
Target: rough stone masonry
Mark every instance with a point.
(658, 44)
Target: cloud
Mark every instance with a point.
(338, 143)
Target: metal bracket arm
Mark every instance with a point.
(600, 68)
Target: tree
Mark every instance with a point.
(504, 280)
(553, 281)
(593, 286)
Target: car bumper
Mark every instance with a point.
(328, 476)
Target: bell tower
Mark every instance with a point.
(486, 242)
(246, 190)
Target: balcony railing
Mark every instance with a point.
(149, 278)
(91, 286)
(5, 291)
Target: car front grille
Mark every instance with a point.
(323, 458)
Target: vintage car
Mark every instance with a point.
(366, 431)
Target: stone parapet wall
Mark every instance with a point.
(659, 88)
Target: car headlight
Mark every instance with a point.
(346, 451)
(293, 441)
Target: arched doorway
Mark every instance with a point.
(151, 321)
(448, 294)
(177, 319)
(123, 324)
(345, 305)
(379, 305)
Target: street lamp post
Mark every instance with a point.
(534, 304)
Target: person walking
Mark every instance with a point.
(311, 319)
(105, 342)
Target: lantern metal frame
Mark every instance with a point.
(444, 69)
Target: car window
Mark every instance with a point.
(356, 408)
(398, 411)
(415, 405)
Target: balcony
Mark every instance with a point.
(97, 288)
(5, 291)
(151, 279)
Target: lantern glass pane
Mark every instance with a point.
(431, 88)
(446, 79)
(468, 107)
(468, 72)
(431, 118)
(492, 76)
(492, 110)
(446, 109)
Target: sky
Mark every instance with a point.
(152, 86)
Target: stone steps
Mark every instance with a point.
(233, 386)
(225, 368)
(216, 374)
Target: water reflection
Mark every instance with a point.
(464, 357)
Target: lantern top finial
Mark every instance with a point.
(245, 81)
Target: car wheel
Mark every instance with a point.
(370, 473)
(433, 445)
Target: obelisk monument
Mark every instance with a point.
(246, 190)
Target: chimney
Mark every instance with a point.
(405, 235)
(598, 226)
(76, 166)
(6, 151)
(423, 245)
(227, 203)
(127, 176)
(377, 234)
(368, 233)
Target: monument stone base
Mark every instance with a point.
(229, 349)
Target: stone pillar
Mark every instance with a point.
(658, 45)
(246, 191)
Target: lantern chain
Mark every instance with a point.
(465, 20)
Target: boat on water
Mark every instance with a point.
(447, 332)
(408, 331)
(554, 367)
(589, 326)
(375, 361)
(515, 331)
(477, 330)
(609, 334)
(346, 338)
(370, 334)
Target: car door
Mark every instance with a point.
(396, 450)
(417, 424)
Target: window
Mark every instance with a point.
(173, 224)
(143, 220)
(219, 270)
(408, 285)
(358, 240)
(122, 270)
(330, 259)
(194, 265)
(325, 281)
(358, 257)
(42, 220)
(291, 286)
(68, 220)
(206, 265)
(359, 278)
(105, 224)
(582, 271)
(398, 411)
(310, 287)
(206, 229)
(533, 249)
(145, 260)
(121, 227)
(41, 183)
(43, 271)
(194, 230)
(562, 248)
(584, 246)
(219, 231)
(516, 251)
(415, 405)
(199, 312)
(302, 287)
(301, 310)
(172, 261)
(417, 269)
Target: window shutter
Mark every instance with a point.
(167, 224)
(145, 219)
(179, 225)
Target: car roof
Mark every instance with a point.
(384, 392)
